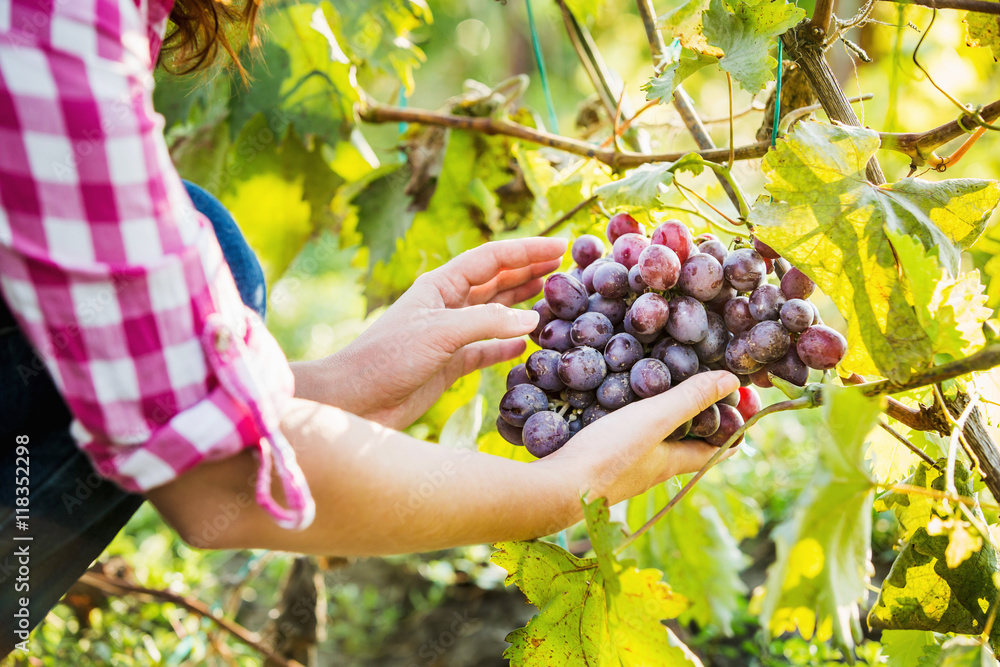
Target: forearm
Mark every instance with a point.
(377, 491)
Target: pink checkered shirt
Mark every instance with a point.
(114, 277)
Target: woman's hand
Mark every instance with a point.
(624, 453)
(439, 330)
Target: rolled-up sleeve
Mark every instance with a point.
(117, 281)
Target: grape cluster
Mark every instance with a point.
(655, 311)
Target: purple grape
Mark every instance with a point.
(796, 285)
(701, 277)
(616, 391)
(575, 426)
(821, 347)
(738, 359)
(611, 280)
(766, 251)
(649, 313)
(613, 309)
(716, 249)
(517, 375)
(730, 421)
(592, 413)
(582, 368)
(629, 328)
(511, 434)
(587, 249)
(744, 269)
(635, 281)
(579, 398)
(737, 315)
(659, 267)
(706, 422)
(521, 402)
(790, 368)
(712, 348)
(544, 433)
(588, 274)
(817, 319)
(680, 359)
(576, 272)
(725, 295)
(768, 341)
(592, 330)
(621, 353)
(732, 399)
(544, 317)
(687, 321)
(566, 296)
(797, 315)
(702, 238)
(622, 224)
(555, 336)
(649, 377)
(681, 431)
(760, 379)
(627, 249)
(675, 235)
(543, 370)
(766, 302)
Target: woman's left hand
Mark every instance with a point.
(452, 321)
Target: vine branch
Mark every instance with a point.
(920, 146)
(119, 586)
(984, 360)
(979, 6)
(682, 101)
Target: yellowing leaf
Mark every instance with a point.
(834, 225)
(983, 30)
(592, 611)
(923, 591)
(684, 24)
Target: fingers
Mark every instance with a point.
(513, 279)
(481, 265)
(662, 414)
(458, 327)
(489, 352)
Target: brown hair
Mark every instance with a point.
(199, 27)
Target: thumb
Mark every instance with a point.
(665, 412)
(462, 326)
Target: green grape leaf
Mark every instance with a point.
(819, 578)
(644, 185)
(983, 30)
(744, 31)
(905, 648)
(684, 24)
(301, 76)
(950, 310)
(592, 611)
(961, 652)
(699, 555)
(834, 225)
(458, 216)
(986, 257)
(678, 64)
(376, 34)
(922, 592)
(279, 191)
(385, 211)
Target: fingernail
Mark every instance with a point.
(728, 383)
(528, 318)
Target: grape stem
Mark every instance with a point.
(567, 216)
(706, 203)
(810, 400)
(909, 445)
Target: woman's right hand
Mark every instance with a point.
(625, 453)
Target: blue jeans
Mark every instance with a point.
(73, 513)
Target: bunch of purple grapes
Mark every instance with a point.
(655, 311)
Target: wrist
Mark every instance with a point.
(325, 381)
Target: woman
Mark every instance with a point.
(177, 391)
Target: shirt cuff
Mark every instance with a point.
(252, 384)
